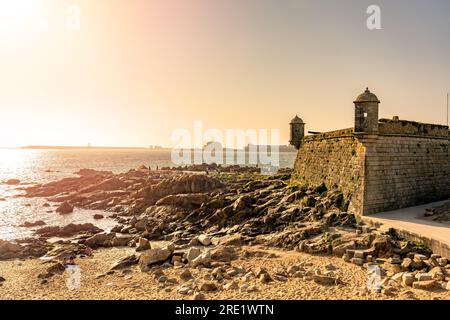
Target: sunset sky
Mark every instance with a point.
(139, 69)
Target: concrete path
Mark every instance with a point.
(409, 223)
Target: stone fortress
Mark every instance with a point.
(380, 164)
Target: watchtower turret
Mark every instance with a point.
(297, 132)
(366, 112)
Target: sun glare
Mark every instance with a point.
(18, 17)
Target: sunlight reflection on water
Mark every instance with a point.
(41, 166)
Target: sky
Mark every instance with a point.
(130, 73)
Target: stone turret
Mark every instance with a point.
(297, 132)
(366, 112)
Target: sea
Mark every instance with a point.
(33, 166)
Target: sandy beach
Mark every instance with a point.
(131, 284)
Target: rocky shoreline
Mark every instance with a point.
(205, 219)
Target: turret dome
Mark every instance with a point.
(296, 120)
(367, 96)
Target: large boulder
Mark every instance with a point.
(153, 256)
(184, 184)
(67, 231)
(9, 247)
(143, 244)
(99, 240)
(125, 262)
(192, 253)
(28, 224)
(65, 208)
(141, 224)
(106, 185)
(202, 259)
(121, 241)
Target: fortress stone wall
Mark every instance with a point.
(403, 171)
(336, 159)
(379, 167)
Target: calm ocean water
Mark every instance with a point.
(40, 166)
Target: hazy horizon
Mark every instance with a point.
(138, 70)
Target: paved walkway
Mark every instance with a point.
(410, 223)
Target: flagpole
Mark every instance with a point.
(447, 109)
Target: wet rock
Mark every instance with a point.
(65, 208)
(12, 182)
(67, 231)
(99, 240)
(28, 224)
(106, 185)
(9, 247)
